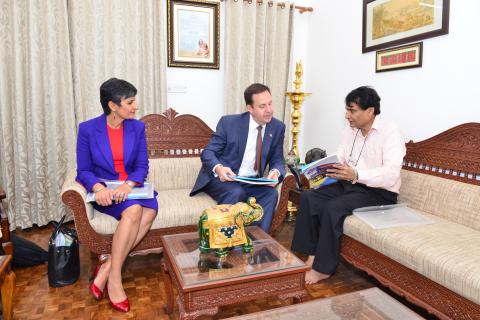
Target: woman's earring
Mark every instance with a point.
(114, 115)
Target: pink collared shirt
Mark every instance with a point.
(377, 157)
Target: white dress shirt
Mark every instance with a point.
(377, 157)
(248, 161)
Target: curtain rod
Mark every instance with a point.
(300, 9)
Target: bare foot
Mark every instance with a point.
(313, 276)
(309, 261)
(145, 252)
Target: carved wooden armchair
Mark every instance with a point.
(7, 277)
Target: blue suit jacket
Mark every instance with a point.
(94, 154)
(228, 143)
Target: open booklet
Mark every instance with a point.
(145, 192)
(316, 171)
(390, 216)
(259, 181)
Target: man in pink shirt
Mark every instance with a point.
(371, 154)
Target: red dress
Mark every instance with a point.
(116, 144)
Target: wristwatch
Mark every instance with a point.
(130, 183)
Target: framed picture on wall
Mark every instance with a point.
(193, 34)
(388, 23)
(403, 57)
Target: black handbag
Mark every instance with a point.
(63, 256)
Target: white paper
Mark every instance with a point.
(145, 192)
(390, 216)
(258, 181)
(60, 240)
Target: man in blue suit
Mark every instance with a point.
(245, 145)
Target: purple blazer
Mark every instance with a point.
(94, 154)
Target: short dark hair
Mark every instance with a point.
(365, 97)
(252, 89)
(115, 90)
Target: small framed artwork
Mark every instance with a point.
(409, 56)
(388, 23)
(193, 34)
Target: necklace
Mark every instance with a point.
(113, 127)
(361, 150)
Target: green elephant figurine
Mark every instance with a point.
(223, 226)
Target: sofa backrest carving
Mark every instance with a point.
(453, 154)
(172, 136)
(174, 147)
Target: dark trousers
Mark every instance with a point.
(320, 218)
(233, 192)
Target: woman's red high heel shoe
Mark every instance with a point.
(94, 290)
(122, 306)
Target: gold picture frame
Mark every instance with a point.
(388, 23)
(193, 34)
(403, 57)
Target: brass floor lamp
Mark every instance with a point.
(296, 98)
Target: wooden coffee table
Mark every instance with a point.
(205, 282)
(372, 304)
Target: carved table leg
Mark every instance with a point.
(7, 289)
(167, 280)
(192, 315)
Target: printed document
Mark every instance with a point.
(316, 172)
(145, 192)
(258, 181)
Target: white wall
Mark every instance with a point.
(204, 96)
(300, 47)
(204, 92)
(422, 101)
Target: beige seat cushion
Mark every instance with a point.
(175, 208)
(173, 178)
(452, 200)
(445, 252)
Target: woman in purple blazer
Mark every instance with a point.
(113, 147)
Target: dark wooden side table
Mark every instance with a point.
(5, 227)
(288, 193)
(294, 196)
(7, 286)
(205, 282)
(7, 277)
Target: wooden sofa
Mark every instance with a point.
(174, 146)
(436, 266)
(7, 276)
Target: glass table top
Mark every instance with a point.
(371, 304)
(194, 268)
